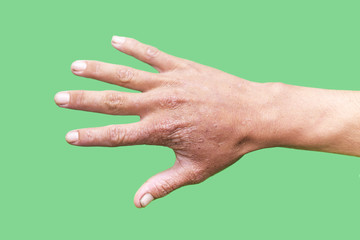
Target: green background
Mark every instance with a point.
(51, 190)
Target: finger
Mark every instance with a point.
(161, 185)
(111, 136)
(109, 102)
(116, 74)
(145, 53)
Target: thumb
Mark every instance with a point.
(161, 185)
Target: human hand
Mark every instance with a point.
(203, 114)
(208, 117)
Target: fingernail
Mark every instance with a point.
(146, 199)
(62, 98)
(78, 66)
(72, 136)
(117, 40)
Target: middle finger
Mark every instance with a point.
(109, 102)
(116, 74)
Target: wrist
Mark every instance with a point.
(306, 118)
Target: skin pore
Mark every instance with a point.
(208, 117)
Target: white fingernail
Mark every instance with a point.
(146, 199)
(78, 66)
(62, 98)
(117, 40)
(72, 136)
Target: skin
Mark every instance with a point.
(208, 117)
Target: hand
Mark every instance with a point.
(208, 117)
(203, 114)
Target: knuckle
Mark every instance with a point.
(89, 134)
(97, 68)
(113, 101)
(184, 64)
(166, 127)
(79, 98)
(169, 132)
(125, 75)
(116, 136)
(192, 67)
(172, 83)
(152, 52)
(171, 101)
(164, 187)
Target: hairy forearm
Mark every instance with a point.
(312, 119)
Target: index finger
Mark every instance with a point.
(159, 60)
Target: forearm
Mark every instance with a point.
(313, 119)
